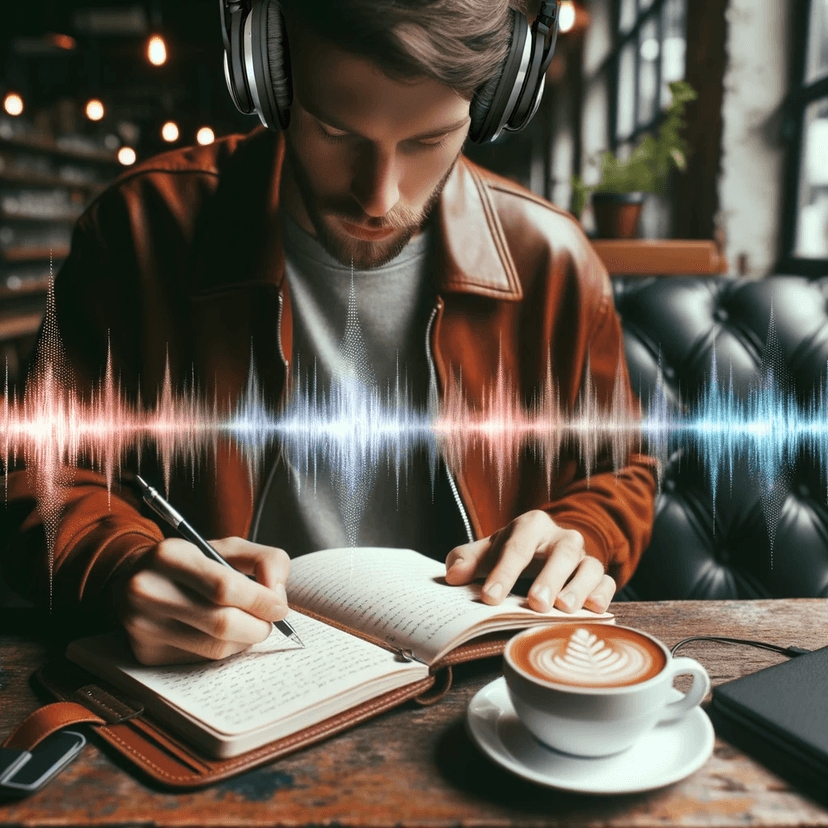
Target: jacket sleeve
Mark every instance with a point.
(96, 531)
(613, 510)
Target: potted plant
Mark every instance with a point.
(619, 196)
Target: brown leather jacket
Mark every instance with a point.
(182, 256)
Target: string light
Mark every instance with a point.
(94, 110)
(13, 104)
(126, 156)
(566, 16)
(62, 41)
(157, 50)
(205, 136)
(169, 132)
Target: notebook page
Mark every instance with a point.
(270, 682)
(400, 596)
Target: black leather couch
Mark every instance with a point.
(702, 549)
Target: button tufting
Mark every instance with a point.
(804, 491)
(721, 315)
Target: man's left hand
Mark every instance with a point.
(533, 545)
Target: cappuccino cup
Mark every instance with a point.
(595, 689)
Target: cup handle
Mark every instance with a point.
(698, 690)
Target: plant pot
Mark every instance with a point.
(617, 214)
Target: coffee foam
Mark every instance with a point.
(586, 657)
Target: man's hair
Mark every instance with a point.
(459, 43)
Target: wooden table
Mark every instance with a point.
(416, 766)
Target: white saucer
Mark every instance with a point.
(666, 754)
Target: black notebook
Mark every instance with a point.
(779, 715)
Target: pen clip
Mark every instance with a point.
(408, 655)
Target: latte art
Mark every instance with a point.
(590, 658)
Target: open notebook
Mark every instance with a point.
(372, 620)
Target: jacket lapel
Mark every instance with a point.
(472, 254)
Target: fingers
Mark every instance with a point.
(172, 643)
(554, 587)
(600, 598)
(269, 566)
(462, 562)
(156, 597)
(184, 564)
(538, 535)
(533, 544)
(180, 605)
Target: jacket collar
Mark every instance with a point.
(242, 243)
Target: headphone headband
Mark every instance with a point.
(257, 68)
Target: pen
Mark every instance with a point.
(171, 516)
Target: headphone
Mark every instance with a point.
(254, 42)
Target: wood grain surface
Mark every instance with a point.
(662, 257)
(416, 766)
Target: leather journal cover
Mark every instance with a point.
(779, 715)
(152, 748)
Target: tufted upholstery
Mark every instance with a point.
(700, 549)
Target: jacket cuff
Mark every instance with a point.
(113, 558)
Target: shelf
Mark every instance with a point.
(26, 324)
(32, 287)
(33, 254)
(636, 257)
(64, 218)
(25, 180)
(39, 145)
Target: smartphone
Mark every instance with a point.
(29, 771)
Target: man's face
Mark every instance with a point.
(367, 156)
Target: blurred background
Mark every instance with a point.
(90, 87)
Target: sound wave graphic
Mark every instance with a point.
(354, 427)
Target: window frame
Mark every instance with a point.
(654, 12)
(800, 96)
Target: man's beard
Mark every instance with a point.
(345, 248)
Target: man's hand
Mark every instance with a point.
(534, 545)
(179, 606)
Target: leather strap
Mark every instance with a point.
(46, 720)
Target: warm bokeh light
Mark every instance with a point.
(157, 50)
(126, 155)
(205, 136)
(94, 110)
(62, 41)
(566, 16)
(169, 132)
(13, 104)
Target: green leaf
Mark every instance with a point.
(649, 164)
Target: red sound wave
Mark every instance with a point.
(56, 429)
(502, 427)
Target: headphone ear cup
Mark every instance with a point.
(480, 106)
(278, 60)
(257, 59)
(234, 69)
(494, 101)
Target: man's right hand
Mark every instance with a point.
(179, 606)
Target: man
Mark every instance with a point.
(194, 255)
